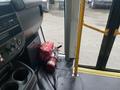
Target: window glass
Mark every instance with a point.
(53, 22)
(91, 40)
(114, 59)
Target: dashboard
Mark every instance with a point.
(11, 36)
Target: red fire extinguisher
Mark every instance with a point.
(48, 56)
(51, 64)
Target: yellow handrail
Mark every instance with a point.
(116, 32)
(79, 34)
(99, 73)
(96, 29)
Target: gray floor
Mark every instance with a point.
(53, 25)
(62, 79)
(88, 82)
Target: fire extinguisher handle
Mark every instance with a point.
(59, 46)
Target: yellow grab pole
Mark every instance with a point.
(79, 34)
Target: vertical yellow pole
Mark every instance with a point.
(79, 34)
